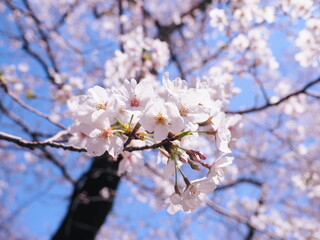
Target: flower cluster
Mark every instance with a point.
(309, 44)
(136, 116)
(140, 58)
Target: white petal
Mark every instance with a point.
(160, 132)
(169, 169)
(99, 94)
(95, 147)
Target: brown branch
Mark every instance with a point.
(314, 95)
(121, 28)
(22, 124)
(63, 18)
(240, 219)
(240, 180)
(153, 146)
(37, 144)
(165, 31)
(26, 45)
(51, 158)
(251, 229)
(4, 86)
(43, 35)
(267, 105)
(256, 78)
(132, 134)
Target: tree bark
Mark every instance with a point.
(87, 210)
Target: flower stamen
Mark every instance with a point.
(101, 106)
(160, 119)
(106, 133)
(135, 101)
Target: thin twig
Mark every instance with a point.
(37, 144)
(241, 219)
(22, 124)
(26, 106)
(153, 146)
(238, 181)
(267, 105)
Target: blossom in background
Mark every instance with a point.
(130, 161)
(218, 18)
(309, 44)
(174, 87)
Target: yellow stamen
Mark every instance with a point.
(184, 111)
(106, 133)
(160, 119)
(101, 106)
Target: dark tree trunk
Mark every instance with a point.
(250, 233)
(87, 209)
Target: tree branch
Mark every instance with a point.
(4, 86)
(268, 104)
(241, 219)
(37, 144)
(153, 146)
(22, 124)
(240, 180)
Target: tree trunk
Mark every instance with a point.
(87, 209)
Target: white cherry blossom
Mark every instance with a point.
(136, 95)
(216, 170)
(218, 18)
(161, 118)
(193, 105)
(103, 138)
(88, 108)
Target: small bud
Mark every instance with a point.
(183, 159)
(196, 155)
(30, 95)
(202, 156)
(192, 154)
(164, 152)
(194, 166)
(206, 165)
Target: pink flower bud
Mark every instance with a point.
(183, 159)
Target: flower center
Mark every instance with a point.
(135, 101)
(194, 192)
(106, 133)
(160, 119)
(184, 111)
(122, 110)
(101, 106)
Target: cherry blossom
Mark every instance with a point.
(218, 18)
(87, 106)
(161, 118)
(102, 137)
